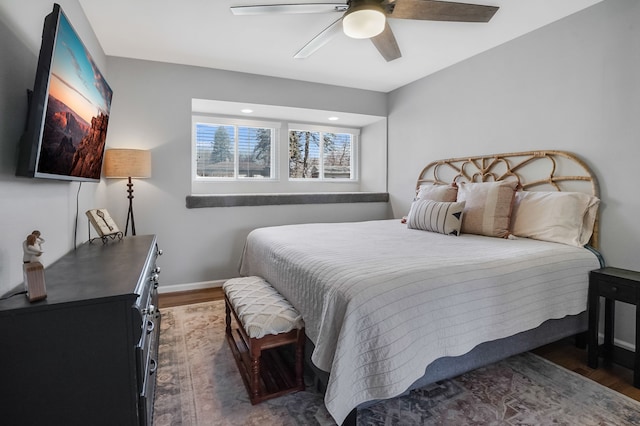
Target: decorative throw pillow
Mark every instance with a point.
(560, 217)
(487, 207)
(436, 216)
(446, 193)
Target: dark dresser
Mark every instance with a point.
(87, 354)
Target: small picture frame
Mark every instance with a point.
(102, 222)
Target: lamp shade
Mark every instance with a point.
(364, 19)
(126, 163)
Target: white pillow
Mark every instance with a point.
(560, 217)
(436, 216)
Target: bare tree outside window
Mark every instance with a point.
(337, 159)
(319, 155)
(303, 153)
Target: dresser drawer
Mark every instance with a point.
(147, 389)
(617, 291)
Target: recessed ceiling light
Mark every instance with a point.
(334, 118)
(246, 111)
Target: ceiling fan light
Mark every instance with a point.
(364, 21)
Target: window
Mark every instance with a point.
(231, 150)
(321, 155)
(283, 150)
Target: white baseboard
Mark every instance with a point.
(618, 342)
(162, 289)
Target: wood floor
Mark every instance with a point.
(563, 353)
(188, 297)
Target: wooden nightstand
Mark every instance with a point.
(620, 285)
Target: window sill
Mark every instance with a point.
(245, 200)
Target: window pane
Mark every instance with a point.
(304, 154)
(337, 155)
(215, 146)
(254, 152)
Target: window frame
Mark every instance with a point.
(279, 184)
(275, 126)
(354, 157)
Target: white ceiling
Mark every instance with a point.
(205, 33)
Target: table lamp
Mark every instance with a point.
(127, 163)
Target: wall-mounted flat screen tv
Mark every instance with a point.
(68, 109)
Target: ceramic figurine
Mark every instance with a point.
(32, 248)
(39, 239)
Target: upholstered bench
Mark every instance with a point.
(265, 320)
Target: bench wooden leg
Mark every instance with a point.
(227, 318)
(300, 359)
(255, 353)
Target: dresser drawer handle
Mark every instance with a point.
(153, 366)
(150, 326)
(614, 289)
(149, 310)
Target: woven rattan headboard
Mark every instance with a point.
(534, 170)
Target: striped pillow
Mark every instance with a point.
(436, 216)
(488, 207)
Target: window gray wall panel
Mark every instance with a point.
(200, 201)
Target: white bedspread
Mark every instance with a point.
(381, 301)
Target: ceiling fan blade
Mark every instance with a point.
(289, 8)
(320, 40)
(432, 10)
(386, 44)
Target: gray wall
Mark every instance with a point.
(152, 110)
(28, 204)
(573, 85)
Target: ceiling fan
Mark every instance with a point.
(368, 19)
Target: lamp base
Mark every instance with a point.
(130, 212)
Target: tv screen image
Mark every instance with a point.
(69, 108)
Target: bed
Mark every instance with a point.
(390, 306)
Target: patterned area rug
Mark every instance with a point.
(198, 384)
